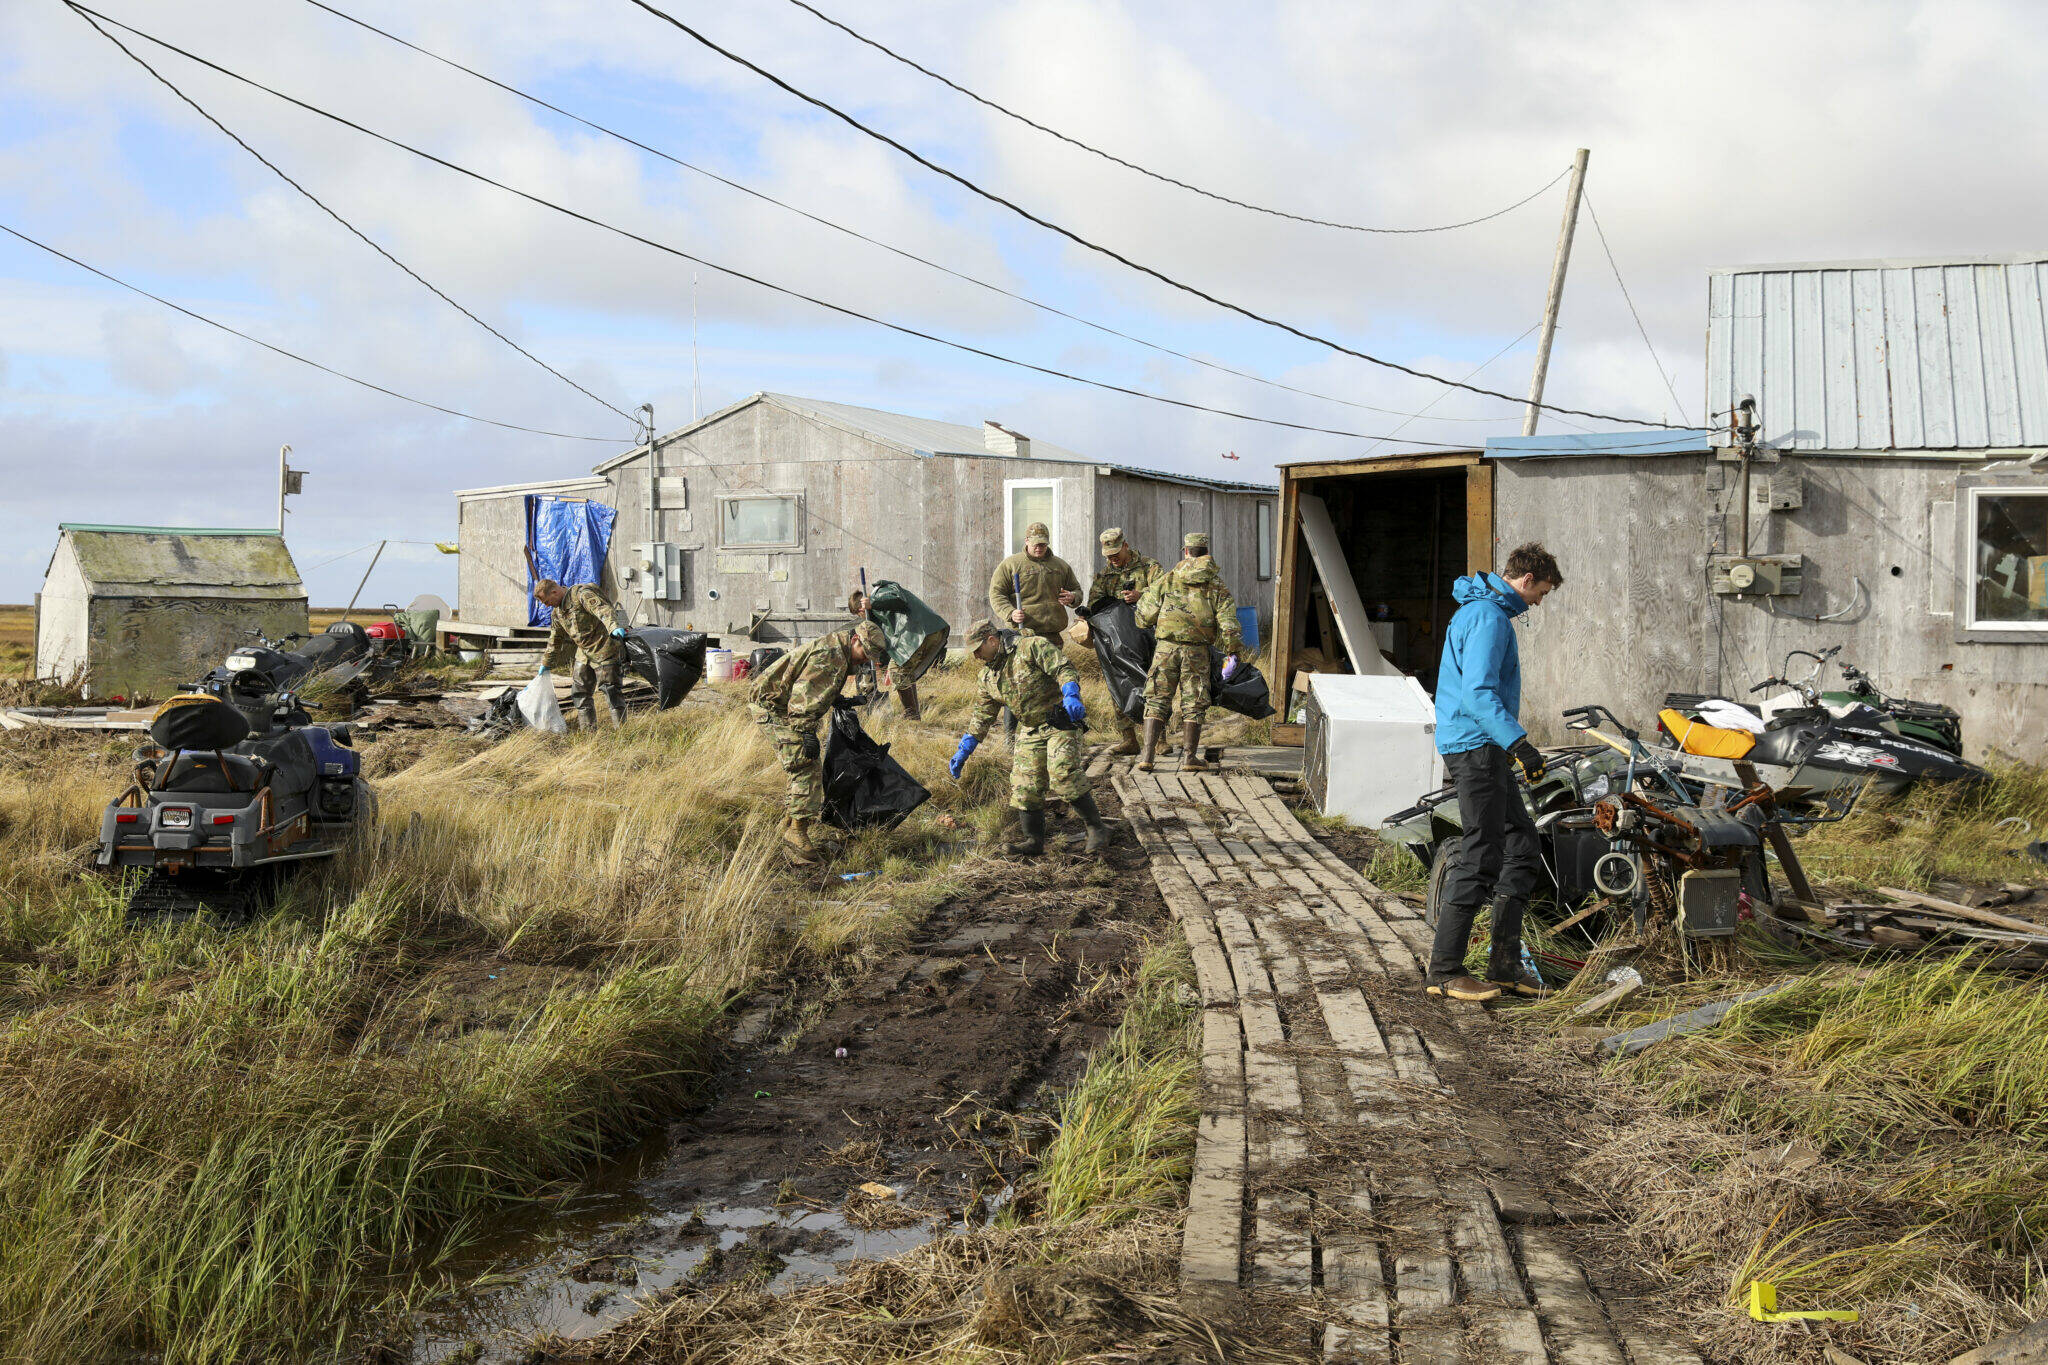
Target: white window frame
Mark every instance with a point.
(796, 500)
(1969, 629)
(1013, 535)
(1264, 534)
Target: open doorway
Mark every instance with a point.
(1406, 528)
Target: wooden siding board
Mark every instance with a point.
(1808, 430)
(1966, 357)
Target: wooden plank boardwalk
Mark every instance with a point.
(1335, 1159)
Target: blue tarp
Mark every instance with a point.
(568, 537)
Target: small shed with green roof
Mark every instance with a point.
(143, 611)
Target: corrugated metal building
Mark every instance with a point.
(768, 510)
(1897, 505)
(148, 609)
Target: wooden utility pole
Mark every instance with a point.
(1557, 267)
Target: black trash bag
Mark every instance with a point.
(758, 661)
(1246, 692)
(503, 718)
(864, 787)
(669, 661)
(1124, 650)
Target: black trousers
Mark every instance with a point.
(1499, 859)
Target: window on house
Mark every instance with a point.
(1265, 540)
(766, 522)
(2010, 565)
(1029, 500)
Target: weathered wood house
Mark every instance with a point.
(148, 609)
(1894, 502)
(759, 518)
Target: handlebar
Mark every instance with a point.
(1769, 682)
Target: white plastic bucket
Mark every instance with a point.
(718, 665)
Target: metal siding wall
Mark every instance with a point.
(1937, 357)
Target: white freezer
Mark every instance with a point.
(1370, 749)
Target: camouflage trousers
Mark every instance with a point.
(1178, 669)
(592, 676)
(1046, 762)
(799, 754)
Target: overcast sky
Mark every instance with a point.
(1721, 135)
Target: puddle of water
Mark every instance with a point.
(589, 1262)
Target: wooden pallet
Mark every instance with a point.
(1436, 1260)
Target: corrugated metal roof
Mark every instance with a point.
(1883, 355)
(1569, 443)
(174, 561)
(929, 436)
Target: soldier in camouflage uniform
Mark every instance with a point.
(1188, 610)
(1125, 579)
(587, 628)
(790, 697)
(1039, 682)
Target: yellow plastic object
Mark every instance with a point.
(1763, 1306)
(1709, 741)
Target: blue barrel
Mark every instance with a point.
(1248, 626)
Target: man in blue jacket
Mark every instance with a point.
(1478, 693)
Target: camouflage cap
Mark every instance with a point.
(1112, 540)
(1195, 540)
(870, 638)
(1037, 534)
(980, 631)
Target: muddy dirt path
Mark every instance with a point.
(956, 1047)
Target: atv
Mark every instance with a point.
(228, 797)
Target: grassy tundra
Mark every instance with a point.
(212, 1144)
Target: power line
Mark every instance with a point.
(1097, 247)
(293, 355)
(330, 212)
(730, 271)
(1447, 393)
(1647, 343)
(1009, 113)
(907, 255)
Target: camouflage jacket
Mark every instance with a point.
(583, 627)
(1106, 589)
(1190, 606)
(800, 686)
(1026, 679)
(1042, 581)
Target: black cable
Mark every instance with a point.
(862, 236)
(1648, 345)
(1098, 248)
(741, 274)
(292, 355)
(984, 101)
(357, 233)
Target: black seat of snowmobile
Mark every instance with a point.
(194, 720)
(211, 774)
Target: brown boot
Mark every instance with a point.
(797, 849)
(907, 697)
(1191, 736)
(1152, 729)
(1128, 744)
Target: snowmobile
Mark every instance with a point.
(232, 792)
(254, 677)
(1803, 744)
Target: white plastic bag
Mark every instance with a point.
(537, 703)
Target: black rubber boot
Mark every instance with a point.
(1030, 840)
(1099, 833)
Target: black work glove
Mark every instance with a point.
(848, 704)
(811, 749)
(1527, 758)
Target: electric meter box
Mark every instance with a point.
(1370, 746)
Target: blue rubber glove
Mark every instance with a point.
(618, 632)
(968, 744)
(1070, 697)
(543, 671)
(1229, 667)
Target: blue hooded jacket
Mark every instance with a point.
(1479, 681)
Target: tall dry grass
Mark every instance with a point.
(1975, 834)
(213, 1143)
